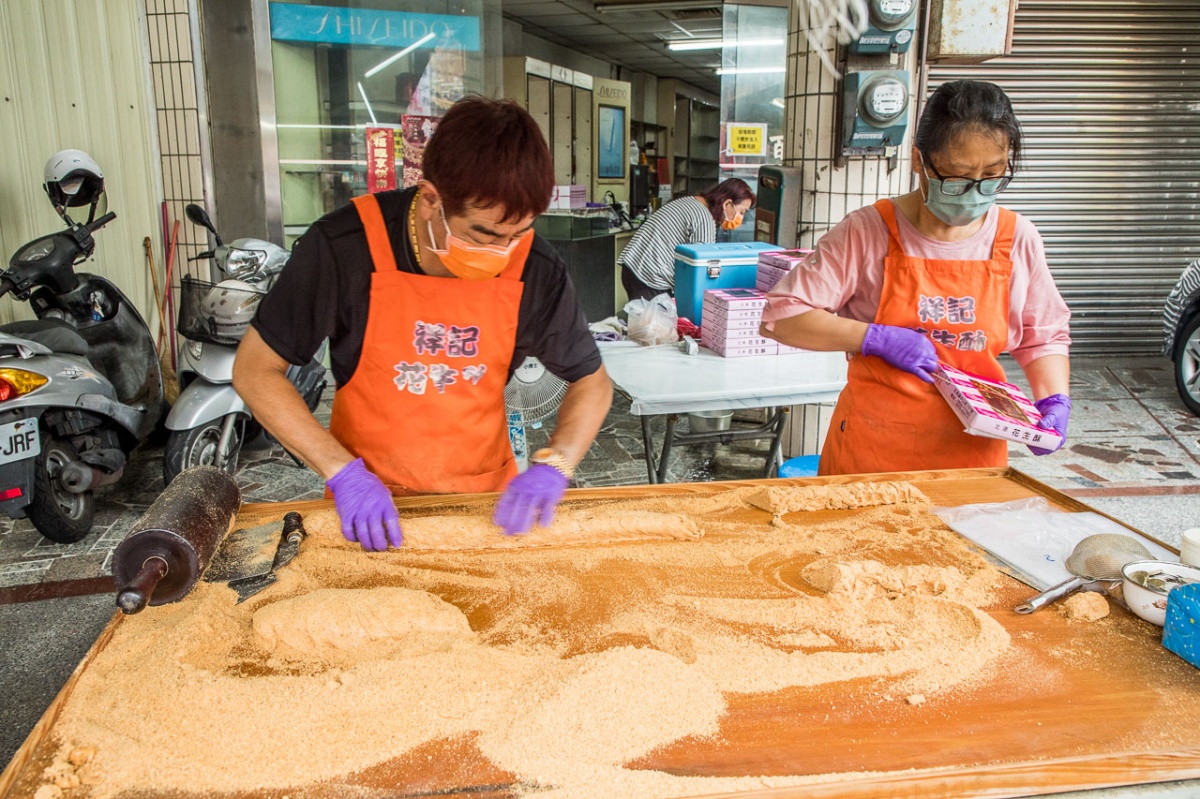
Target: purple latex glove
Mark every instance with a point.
(531, 496)
(365, 507)
(902, 348)
(1055, 410)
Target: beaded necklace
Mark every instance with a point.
(412, 229)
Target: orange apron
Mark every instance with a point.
(425, 407)
(888, 420)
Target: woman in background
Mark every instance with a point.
(938, 274)
(648, 260)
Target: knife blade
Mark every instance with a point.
(289, 546)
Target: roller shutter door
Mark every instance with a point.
(1108, 94)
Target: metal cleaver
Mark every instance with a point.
(289, 545)
(246, 552)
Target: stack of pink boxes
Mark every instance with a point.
(731, 317)
(730, 320)
(773, 265)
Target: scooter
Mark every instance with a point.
(80, 386)
(210, 424)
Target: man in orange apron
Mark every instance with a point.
(939, 274)
(430, 297)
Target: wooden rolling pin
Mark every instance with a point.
(171, 545)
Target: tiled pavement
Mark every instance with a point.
(1133, 451)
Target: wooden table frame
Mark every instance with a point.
(1040, 777)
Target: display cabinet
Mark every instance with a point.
(692, 140)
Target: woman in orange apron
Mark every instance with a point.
(947, 296)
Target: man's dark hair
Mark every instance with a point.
(490, 153)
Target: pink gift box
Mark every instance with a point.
(993, 408)
(783, 259)
(732, 350)
(735, 299)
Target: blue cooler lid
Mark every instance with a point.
(725, 251)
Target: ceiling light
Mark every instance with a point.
(779, 103)
(696, 44)
(656, 5)
(710, 44)
(398, 55)
(748, 70)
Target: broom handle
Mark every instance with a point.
(162, 319)
(167, 294)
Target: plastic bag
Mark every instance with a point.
(653, 322)
(1033, 536)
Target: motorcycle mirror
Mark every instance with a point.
(99, 207)
(200, 217)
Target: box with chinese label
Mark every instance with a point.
(712, 334)
(731, 318)
(738, 348)
(749, 323)
(724, 307)
(993, 408)
(774, 265)
(725, 300)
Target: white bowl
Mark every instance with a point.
(1148, 603)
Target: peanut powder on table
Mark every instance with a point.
(561, 664)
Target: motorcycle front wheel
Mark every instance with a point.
(198, 447)
(56, 513)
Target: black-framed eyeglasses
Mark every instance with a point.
(958, 186)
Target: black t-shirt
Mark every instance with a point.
(324, 291)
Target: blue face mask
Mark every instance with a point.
(960, 210)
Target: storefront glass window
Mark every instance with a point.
(752, 90)
(353, 77)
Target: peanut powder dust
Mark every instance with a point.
(556, 665)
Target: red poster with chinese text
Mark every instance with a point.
(381, 159)
(417, 130)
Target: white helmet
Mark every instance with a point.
(72, 178)
(229, 306)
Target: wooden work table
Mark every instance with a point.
(1077, 705)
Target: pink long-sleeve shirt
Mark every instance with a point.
(845, 277)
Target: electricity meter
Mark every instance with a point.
(874, 109)
(890, 27)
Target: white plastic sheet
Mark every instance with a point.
(1035, 537)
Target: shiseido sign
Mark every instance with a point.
(294, 22)
(612, 93)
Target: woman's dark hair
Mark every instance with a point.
(964, 106)
(735, 190)
(488, 153)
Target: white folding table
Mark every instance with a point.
(665, 381)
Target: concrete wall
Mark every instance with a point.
(73, 74)
(239, 196)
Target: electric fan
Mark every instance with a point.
(532, 394)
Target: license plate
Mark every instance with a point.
(19, 440)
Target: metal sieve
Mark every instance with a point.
(1096, 557)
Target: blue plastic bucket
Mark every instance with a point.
(803, 466)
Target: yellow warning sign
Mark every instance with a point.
(746, 139)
